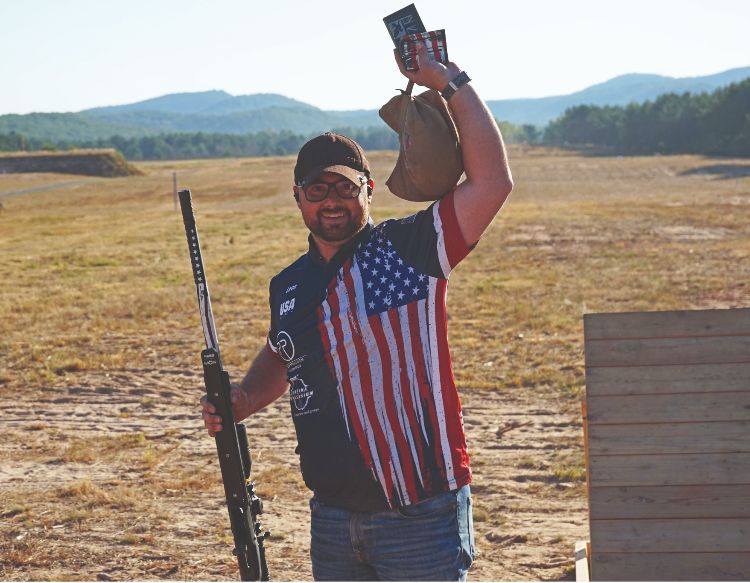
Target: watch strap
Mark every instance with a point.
(454, 85)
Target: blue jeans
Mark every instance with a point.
(429, 541)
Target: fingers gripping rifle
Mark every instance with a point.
(231, 442)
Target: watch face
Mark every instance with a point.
(459, 81)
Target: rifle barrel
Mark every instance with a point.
(243, 504)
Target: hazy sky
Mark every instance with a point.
(68, 55)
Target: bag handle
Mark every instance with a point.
(409, 87)
(405, 94)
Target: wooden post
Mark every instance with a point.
(174, 189)
(583, 570)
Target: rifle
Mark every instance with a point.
(231, 442)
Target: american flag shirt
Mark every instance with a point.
(365, 342)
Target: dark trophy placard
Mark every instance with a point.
(407, 30)
(403, 22)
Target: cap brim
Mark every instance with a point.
(355, 176)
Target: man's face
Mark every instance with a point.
(334, 219)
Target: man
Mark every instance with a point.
(358, 335)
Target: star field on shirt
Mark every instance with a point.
(388, 281)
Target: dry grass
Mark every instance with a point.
(100, 335)
(92, 271)
(278, 480)
(89, 495)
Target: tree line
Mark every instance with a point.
(186, 146)
(715, 123)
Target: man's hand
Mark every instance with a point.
(431, 74)
(212, 421)
(263, 384)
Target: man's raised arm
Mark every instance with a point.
(488, 179)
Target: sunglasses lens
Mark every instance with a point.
(316, 192)
(347, 189)
(319, 191)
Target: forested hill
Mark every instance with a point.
(59, 127)
(715, 123)
(220, 112)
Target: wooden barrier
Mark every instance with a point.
(667, 428)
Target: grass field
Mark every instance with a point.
(104, 468)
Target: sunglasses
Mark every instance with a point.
(319, 191)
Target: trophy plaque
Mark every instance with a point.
(403, 22)
(407, 30)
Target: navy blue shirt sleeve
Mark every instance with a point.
(430, 239)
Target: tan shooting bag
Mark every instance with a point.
(429, 162)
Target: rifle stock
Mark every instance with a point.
(235, 461)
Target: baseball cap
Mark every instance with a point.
(331, 152)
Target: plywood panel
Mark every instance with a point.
(716, 349)
(638, 380)
(670, 567)
(713, 501)
(667, 324)
(694, 407)
(732, 436)
(662, 470)
(668, 441)
(671, 535)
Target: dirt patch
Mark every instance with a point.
(689, 233)
(111, 476)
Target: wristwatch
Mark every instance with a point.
(459, 81)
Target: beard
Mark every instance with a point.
(336, 225)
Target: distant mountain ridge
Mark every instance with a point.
(172, 103)
(217, 111)
(621, 90)
(203, 103)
